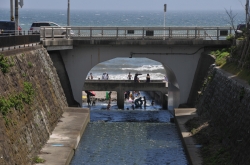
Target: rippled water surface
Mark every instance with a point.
(131, 143)
(144, 136)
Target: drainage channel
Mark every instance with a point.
(131, 137)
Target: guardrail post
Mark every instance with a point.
(143, 33)
(169, 32)
(44, 33)
(52, 33)
(67, 33)
(116, 33)
(90, 33)
(195, 32)
(218, 33)
(79, 32)
(102, 32)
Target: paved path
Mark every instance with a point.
(182, 115)
(60, 147)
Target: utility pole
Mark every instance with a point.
(11, 11)
(16, 17)
(68, 21)
(247, 14)
(165, 10)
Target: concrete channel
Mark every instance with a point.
(60, 148)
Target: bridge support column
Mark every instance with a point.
(120, 99)
(164, 101)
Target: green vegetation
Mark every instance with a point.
(230, 37)
(221, 56)
(16, 101)
(222, 61)
(38, 160)
(5, 64)
(30, 64)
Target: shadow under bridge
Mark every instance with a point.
(121, 86)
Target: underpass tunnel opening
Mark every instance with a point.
(119, 69)
(126, 69)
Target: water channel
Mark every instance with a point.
(144, 136)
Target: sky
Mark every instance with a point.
(131, 4)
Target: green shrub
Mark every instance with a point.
(38, 160)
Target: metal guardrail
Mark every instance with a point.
(6, 42)
(4, 33)
(136, 33)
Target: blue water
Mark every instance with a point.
(125, 18)
(118, 69)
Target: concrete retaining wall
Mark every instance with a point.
(226, 103)
(23, 132)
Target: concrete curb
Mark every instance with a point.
(182, 115)
(65, 138)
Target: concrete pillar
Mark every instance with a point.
(164, 101)
(120, 99)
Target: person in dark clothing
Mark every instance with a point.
(88, 99)
(148, 78)
(145, 101)
(110, 95)
(136, 78)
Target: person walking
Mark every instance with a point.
(107, 76)
(147, 78)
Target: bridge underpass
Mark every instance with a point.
(121, 86)
(180, 53)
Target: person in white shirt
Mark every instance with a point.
(103, 76)
(166, 78)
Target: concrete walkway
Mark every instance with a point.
(182, 115)
(62, 143)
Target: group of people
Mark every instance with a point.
(136, 78)
(105, 76)
(90, 77)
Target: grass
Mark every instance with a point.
(38, 160)
(221, 61)
(232, 68)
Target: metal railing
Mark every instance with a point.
(8, 42)
(136, 33)
(4, 33)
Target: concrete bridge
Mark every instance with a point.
(179, 49)
(121, 86)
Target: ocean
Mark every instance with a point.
(120, 67)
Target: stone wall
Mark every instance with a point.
(226, 102)
(29, 120)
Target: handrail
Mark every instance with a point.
(139, 33)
